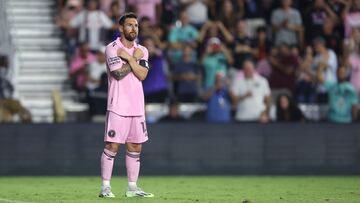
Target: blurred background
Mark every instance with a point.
(256, 86)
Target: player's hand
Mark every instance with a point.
(123, 54)
(138, 54)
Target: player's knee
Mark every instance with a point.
(134, 147)
(114, 147)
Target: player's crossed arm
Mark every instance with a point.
(139, 69)
(125, 69)
(122, 72)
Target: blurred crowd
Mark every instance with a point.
(248, 60)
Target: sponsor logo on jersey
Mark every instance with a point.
(113, 60)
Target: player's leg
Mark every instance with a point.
(132, 161)
(137, 135)
(116, 131)
(107, 163)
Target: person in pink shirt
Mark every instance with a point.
(149, 8)
(78, 66)
(127, 67)
(354, 65)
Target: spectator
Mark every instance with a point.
(284, 66)
(10, 108)
(170, 10)
(159, 36)
(186, 75)
(213, 9)
(242, 48)
(251, 96)
(332, 36)
(216, 59)
(197, 11)
(218, 101)
(155, 85)
(149, 8)
(305, 91)
(315, 17)
(98, 97)
(287, 25)
(287, 110)
(351, 15)
(248, 8)
(353, 63)
(105, 5)
(78, 66)
(92, 24)
(228, 15)
(343, 99)
(174, 115)
(325, 61)
(114, 15)
(183, 32)
(63, 18)
(262, 44)
(214, 29)
(145, 27)
(350, 45)
(95, 69)
(6, 87)
(67, 12)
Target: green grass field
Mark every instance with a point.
(184, 189)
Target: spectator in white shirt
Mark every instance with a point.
(95, 70)
(91, 22)
(251, 96)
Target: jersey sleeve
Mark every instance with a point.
(112, 60)
(146, 53)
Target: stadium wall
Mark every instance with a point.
(186, 148)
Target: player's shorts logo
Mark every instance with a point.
(111, 133)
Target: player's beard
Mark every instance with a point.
(130, 36)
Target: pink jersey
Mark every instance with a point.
(125, 96)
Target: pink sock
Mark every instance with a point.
(132, 165)
(107, 162)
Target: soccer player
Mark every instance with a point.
(125, 123)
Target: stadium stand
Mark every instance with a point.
(38, 59)
(42, 39)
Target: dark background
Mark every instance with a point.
(186, 148)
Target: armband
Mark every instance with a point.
(144, 63)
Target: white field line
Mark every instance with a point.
(12, 201)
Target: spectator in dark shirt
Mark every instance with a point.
(155, 85)
(186, 74)
(315, 17)
(284, 65)
(242, 46)
(262, 44)
(287, 110)
(174, 115)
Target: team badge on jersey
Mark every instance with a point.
(111, 133)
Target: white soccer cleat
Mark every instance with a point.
(138, 193)
(106, 192)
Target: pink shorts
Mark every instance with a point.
(125, 129)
